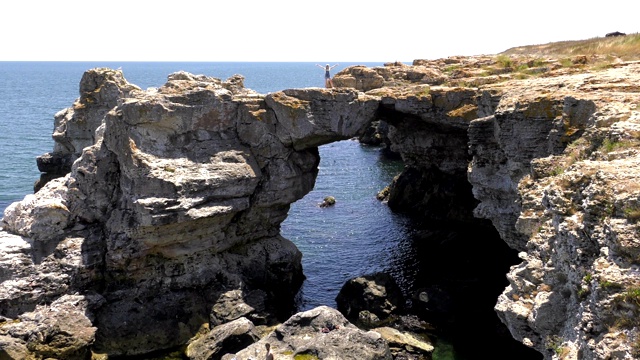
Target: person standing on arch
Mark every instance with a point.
(328, 83)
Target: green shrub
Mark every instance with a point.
(537, 63)
(611, 145)
(632, 295)
(504, 61)
(632, 213)
(583, 292)
(557, 171)
(606, 284)
(554, 342)
(305, 357)
(587, 278)
(451, 68)
(566, 62)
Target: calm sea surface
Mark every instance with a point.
(357, 236)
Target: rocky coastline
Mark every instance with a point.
(156, 222)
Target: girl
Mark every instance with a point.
(328, 83)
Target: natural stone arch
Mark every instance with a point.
(173, 212)
(176, 205)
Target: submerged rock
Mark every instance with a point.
(328, 201)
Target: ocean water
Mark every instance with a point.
(357, 236)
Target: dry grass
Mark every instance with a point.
(626, 48)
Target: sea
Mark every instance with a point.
(359, 235)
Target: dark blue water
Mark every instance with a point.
(359, 234)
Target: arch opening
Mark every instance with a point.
(461, 268)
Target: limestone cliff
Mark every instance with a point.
(553, 163)
(558, 181)
(169, 217)
(553, 169)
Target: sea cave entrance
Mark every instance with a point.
(461, 268)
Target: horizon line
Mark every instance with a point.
(220, 61)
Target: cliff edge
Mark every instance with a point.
(169, 217)
(550, 155)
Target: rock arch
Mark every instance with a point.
(170, 217)
(173, 206)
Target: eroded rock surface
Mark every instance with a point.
(568, 179)
(174, 199)
(169, 216)
(551, 164)
(320, 333)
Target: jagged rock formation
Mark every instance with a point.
(565, 151)
(173, 208)
(551, 162)
(169, 217)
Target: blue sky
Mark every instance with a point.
(283, 30)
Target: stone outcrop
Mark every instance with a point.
(169, 217)
(62, 330)
(224, 339)
(551, 164)
(320, 333)
(566, 178)
(75, 127)
(405, 341)
(172, 207)
(377, 295)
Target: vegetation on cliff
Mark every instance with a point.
(626, 48)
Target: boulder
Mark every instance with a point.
(62, 330)
(235, 304)
(222, 339)
(360, 78)
(319, 333)
(376, 294)
(406, 341)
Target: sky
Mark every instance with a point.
(284, 30)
